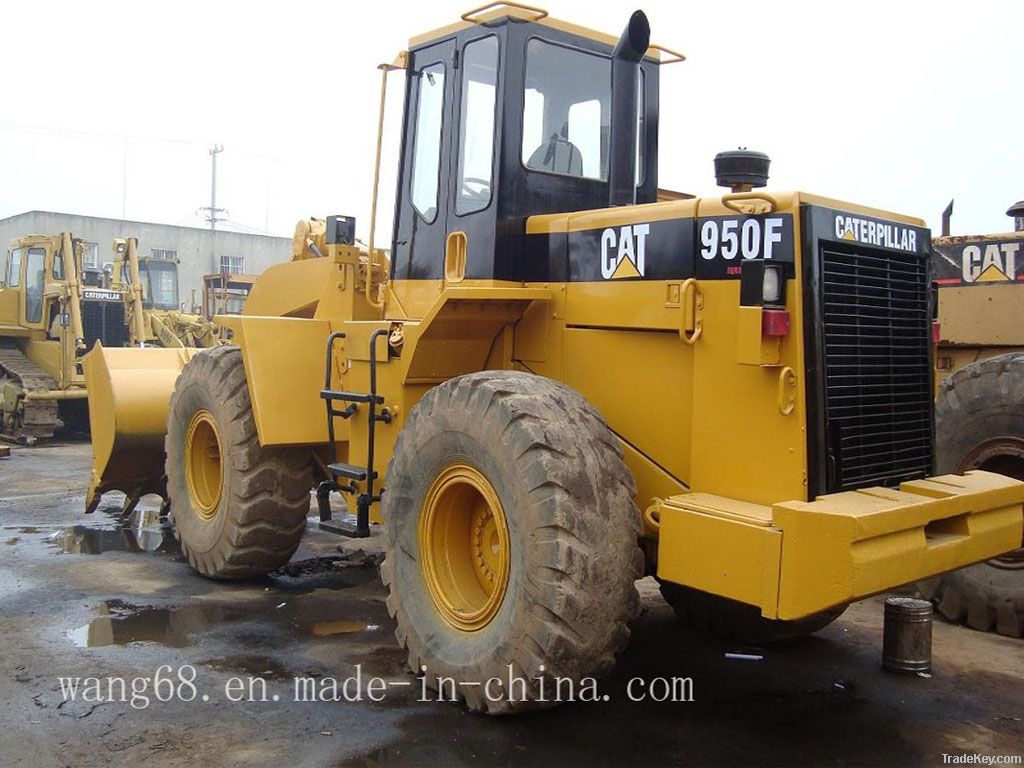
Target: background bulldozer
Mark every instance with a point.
(980, 406)
(562, 379)
(51, 312)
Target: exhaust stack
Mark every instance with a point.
(947, 218)
(632, 46)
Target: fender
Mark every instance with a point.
(284, 366)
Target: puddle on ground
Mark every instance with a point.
(254, 666)
(124, 623)
(328, 628)
(176, 627)
(143, 531)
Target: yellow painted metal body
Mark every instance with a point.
(795, 558)
(718, 450)
(46, 342)
(980, 318)
(129, 397)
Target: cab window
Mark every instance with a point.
(14, 269)
(35, 279)
(476, 131)
(5, 257)
(161, 283)
(426, 153)
(58, 266)
(567, 111)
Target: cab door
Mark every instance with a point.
(475, 135)
(422, 201)
(10, 287)
(33, 309)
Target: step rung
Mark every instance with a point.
(351, 471)
(351, 397)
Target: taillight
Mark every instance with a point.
(774, 322)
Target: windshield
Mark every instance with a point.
(160, 281)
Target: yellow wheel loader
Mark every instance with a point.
(557, 384)
(980, 405)
(51, 311)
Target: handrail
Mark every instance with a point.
(662, 49)
(732, 201)
(470, 16)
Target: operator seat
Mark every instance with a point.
(557, 155)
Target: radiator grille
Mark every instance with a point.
(104, 320)
(877, 334)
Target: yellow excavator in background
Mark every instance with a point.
(564, 379)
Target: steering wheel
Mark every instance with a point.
(480, 195)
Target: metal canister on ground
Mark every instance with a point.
(907, 637)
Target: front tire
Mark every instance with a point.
(511, 540)
(239, 508)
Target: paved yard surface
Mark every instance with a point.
(90, 597)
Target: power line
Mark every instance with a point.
(75, 133)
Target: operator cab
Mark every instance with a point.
(513, 114)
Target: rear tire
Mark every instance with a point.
(738, 621)
(562, 594)
(239, 508)
(979, 424)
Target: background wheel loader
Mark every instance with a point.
(980, 405)
(557, 383)
(152, 308)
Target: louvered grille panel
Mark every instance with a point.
(876, 329)
(104, 320)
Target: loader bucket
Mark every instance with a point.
(129, 397)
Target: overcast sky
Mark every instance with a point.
(108, 109)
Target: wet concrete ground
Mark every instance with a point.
(92, 597)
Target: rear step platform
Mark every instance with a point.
(796, 558)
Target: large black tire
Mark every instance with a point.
(263, 496)
(738, 621)
(573, 529)
(979, 424)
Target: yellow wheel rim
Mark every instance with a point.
(464, 547)
(204, 470)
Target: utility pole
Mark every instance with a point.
(213, 210)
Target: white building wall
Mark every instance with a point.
(199, 251)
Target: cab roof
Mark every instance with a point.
(498, 13)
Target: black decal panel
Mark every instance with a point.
(964, 261)
(725, 242)
(657, 250)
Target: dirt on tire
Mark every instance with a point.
(264, 497)
(573, 527)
